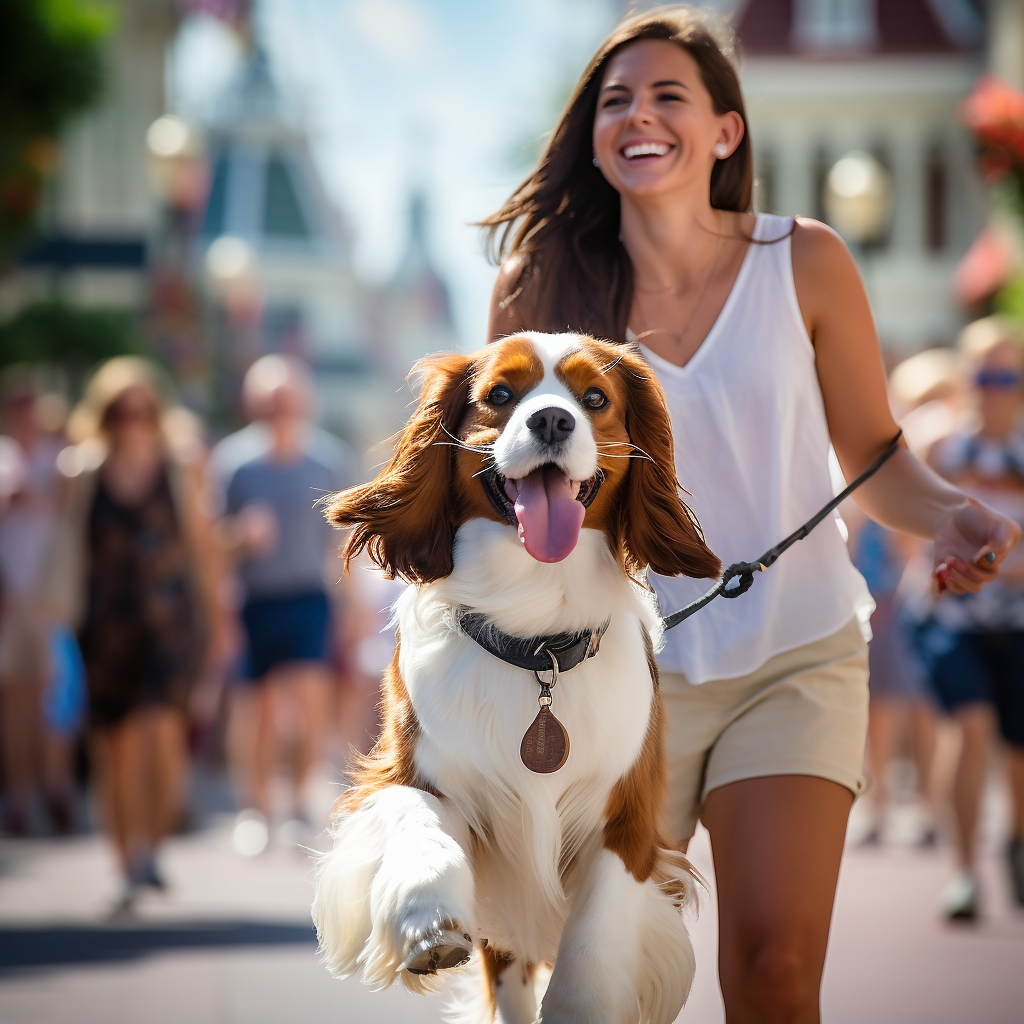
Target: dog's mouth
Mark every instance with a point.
(545, 506)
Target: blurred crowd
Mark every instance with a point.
(945, 666)
(162, 600)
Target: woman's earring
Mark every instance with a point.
(597, 163)
(720, 150)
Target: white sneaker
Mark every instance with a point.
(960, 898)
(250, 834)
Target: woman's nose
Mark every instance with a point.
(640, 111)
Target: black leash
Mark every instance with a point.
(744, 571)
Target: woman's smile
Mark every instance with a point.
(645, 151)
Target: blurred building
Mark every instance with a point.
(825, 77)
(266, 194)
(100, 215)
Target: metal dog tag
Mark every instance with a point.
(545, 746)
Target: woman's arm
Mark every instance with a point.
(905, 494)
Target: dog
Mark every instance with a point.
(527, 495)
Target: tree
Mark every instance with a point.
(51, 68)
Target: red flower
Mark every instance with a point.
(995, 115)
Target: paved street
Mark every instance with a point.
(232, 943)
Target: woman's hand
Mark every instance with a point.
(970, 543)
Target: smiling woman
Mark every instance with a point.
(568, 206)
(638, 226)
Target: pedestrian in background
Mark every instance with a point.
(32, 752)
(925, 392)
(267, 480)
(136, 567)
(973, 644)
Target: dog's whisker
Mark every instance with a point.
(464, 447)
(463, 444)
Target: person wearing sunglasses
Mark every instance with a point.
(973, 644)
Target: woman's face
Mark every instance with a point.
(132, 415)
(655, 128)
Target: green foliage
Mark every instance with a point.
(75, 338)
(51, 68)
(1010, 301)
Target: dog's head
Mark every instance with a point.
(545, 433)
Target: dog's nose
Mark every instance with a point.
(552, 424)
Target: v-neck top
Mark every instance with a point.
(752, 449)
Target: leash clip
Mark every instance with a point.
(546, 686)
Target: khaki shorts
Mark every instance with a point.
(803, 712)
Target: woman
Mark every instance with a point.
(973, 645)
(137, 560)
(637, 224)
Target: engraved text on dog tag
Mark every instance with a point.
(545, 746)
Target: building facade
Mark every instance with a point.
(826, 77)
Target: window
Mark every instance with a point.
(765, 185)
(216, 205)
(819, 174)
(936, 183)
(282, 214)
(834, 24)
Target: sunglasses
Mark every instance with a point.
(1003, 380)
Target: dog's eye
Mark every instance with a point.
(500, 394)
(594, 399)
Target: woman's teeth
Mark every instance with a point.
(645, 149)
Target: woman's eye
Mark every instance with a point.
(499, 395)
(594, 399)
(614, 101)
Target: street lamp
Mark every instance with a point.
(859, 198)
(177, 162)
(233, 279)
(179, 175)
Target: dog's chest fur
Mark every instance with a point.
(473, 710)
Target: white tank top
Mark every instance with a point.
(752, 448)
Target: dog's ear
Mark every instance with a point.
(656, 528)
(406, 517)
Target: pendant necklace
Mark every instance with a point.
(545, 746)
(678, 338)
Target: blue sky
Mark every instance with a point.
(399, 94)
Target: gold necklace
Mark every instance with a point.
(678, 338)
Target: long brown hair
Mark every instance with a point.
(562, 222)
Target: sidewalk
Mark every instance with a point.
(232, 943)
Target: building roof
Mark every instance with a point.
(858, 27)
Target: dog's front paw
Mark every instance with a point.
(433, 943)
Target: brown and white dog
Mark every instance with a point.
(534, 485)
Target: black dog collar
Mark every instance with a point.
(533, 653)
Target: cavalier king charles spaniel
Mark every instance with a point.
(507, 814)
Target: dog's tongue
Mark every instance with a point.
(549, 516)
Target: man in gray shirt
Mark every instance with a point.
(266, 481)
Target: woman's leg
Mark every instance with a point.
(777, 843)
(123, 782)
(977, 726)
(166, 729)
(885, 722)
(923, 731)
(313, 686)
(19, 714)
